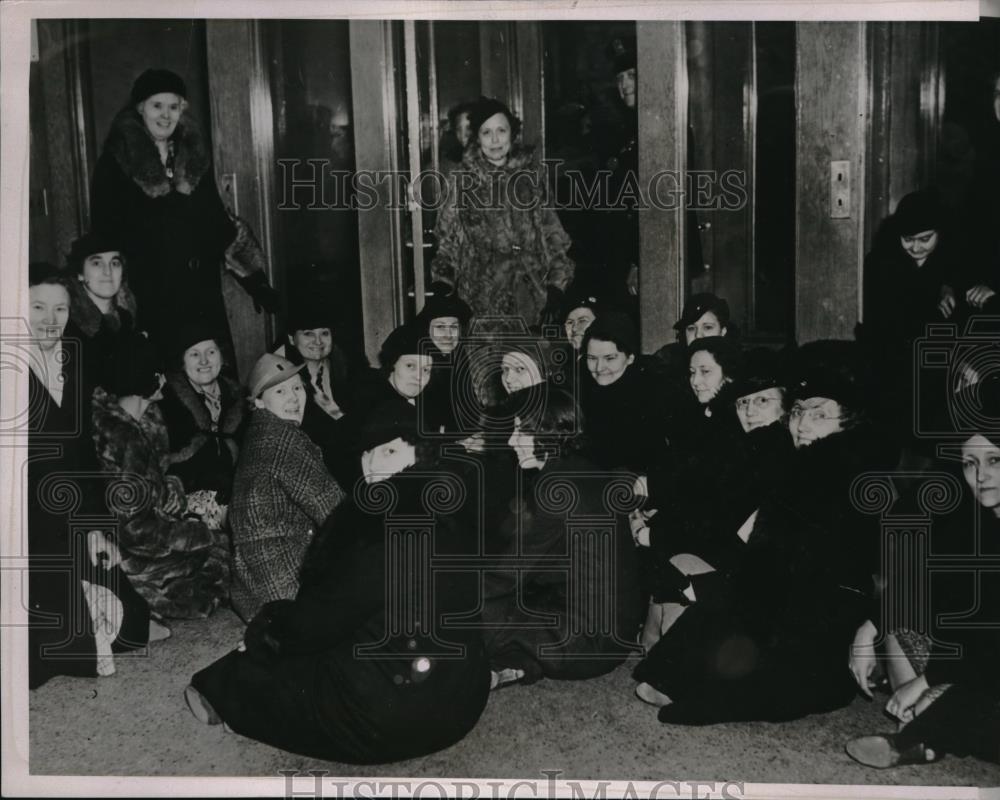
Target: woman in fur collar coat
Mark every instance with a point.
(499, 247)
(155, 190)
(178, 564)
(204, 411)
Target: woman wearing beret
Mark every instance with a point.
(102, 310)
(154, 190)
(357, 667)
(82, 607)
(499, 247)
(204, 411)
(765, 639)
(450, 398)
(176, 562)
(704, 314)
(282, 491)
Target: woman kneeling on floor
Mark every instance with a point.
(326, 675)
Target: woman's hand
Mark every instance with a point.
(641, 486)
(902, 704)
(978, 295)
(474, 444)
(175, 500)
(103, 552)
(640, 530)
(947, 304)
(862, 657)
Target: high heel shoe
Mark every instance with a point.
(882, 751)
(652, 696)
(200, 707)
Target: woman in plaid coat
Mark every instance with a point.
(282, 491)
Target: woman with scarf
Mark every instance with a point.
(500, 247)
(154, 191)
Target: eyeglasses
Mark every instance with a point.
(815, 414)
(760, 403)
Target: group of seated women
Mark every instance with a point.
(489, 509)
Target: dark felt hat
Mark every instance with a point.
(829, 368)
(621, 50)
(438, 306)
(404, 340)
(762, 369)
(918, 212)
(135, 368)
(91, 243)
(699, 304)
(190, 333)
(577, 299)
(308, 314)
(154, 81)
(614, 326)
(486, 107)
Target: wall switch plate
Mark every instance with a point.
(227, 185)
(840, 189)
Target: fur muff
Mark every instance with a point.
(133, 149)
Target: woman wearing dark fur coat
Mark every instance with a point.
(154, 189)
(765, 640)
(499, 247)
(333, 673)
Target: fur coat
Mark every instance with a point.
(177, 564)
(498, 244)
(282, 493)
(203, 457)
(174, 229)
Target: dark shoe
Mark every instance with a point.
(504, 678)
(882, 752)
(200, 707)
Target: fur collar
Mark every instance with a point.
(134, 151)
(520, 158)
(89, 318)
(230, 419)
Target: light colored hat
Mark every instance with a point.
(270, 370)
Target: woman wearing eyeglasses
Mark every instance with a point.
(765, 639)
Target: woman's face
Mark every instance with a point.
(577, 322)
(314, 344)
(981, 467)
(706, 376)
(627, 86)
(445, 333)
(102, 274)
(462, 132)
(286, 400)
(706, 325)
(385, 460)
(606, 362)
(518, 371)
(814, 418)
(203, 362)
(48, 313)
(160, 113)
(761, 408)
(410, 374)
(920, 245)
(494, 139)
(524, 447)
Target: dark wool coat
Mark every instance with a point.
(768, 640)
(282, 493)
(630, 422)
(497, 243)
(201, 457)
(177, 564)
(334, 674)
(103, 335)
(175, 230)
(575, 572)
(65, 484)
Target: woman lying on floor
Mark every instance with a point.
(947, 705)
(765, 640)
(326, 675)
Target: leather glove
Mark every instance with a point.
(552, 311)
(261, 292)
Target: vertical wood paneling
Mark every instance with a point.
(494, 63)
(831, 93)
(662, 109)
(243, 145)
(529, 59)
(379, 233)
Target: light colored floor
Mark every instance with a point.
(136, 723)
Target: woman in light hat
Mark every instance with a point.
(154, 189)
(282, 491)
